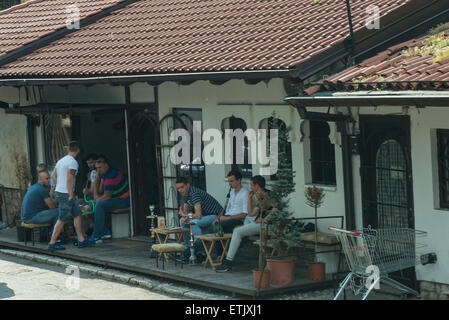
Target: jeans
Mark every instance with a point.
(248, 229)
(100, 212)
(66, 207)
(46, 216)
(229, 225)
(204, 222)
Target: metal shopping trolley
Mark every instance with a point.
(372, 254)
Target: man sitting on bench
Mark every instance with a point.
(251, 226)
(111, 192)
(37, 206)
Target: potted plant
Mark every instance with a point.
(314, 198)
(282, 236)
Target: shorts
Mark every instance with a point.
(66, 207)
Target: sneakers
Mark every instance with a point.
(225, 266)
(106, 234)
(85, 243)
(55, 246)
(94, 240)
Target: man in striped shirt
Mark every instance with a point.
(204, 207)
(111, 191)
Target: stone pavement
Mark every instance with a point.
(170, 288)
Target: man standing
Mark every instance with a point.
(111, 191)
(204, 207)
(237, 208)
(37, 207)
(64, 175)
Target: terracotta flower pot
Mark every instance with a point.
(282, 271)
(265, 282)
(317, 271)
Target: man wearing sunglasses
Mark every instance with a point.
(111, 192)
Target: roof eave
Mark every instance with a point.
(154, 78)
(370, 100)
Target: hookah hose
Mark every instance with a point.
(93, 206)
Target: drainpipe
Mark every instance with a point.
(348, 184)
(351, 28)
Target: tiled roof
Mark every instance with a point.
(162, 36)
(32, 20)
(421, 63)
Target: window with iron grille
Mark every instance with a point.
(269, 123)
(245, 168)
(196, 168)
(322, 154)
(443, 166)
(5, 4)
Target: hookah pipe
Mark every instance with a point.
(153, 217)
(190, 222)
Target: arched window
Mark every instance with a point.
(269, 123)
(245, 168)
(322, 154)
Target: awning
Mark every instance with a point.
(369, 101)
(61, 108)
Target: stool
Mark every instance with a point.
(165, 249)
(33, 226)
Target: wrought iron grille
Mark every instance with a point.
(443, 166)
(391, 184)
(234, 123)
(283, 146)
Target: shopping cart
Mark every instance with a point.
(372, 254)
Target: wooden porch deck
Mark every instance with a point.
(133, 255)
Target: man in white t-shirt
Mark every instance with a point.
(237, 207)
(64, 175)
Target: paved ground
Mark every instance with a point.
(25, 275)
(23, 279)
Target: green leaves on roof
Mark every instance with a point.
(436, 45)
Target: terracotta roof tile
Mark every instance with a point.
(159, 36)
(32, 20)
(396, 67)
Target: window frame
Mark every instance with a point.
(248, 172)
(318, 144)
(443, 194)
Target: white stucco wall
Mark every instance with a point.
(253, 103)
(428, 217)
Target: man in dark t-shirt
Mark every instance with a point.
(37, 206)
(204, 207)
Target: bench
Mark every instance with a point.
(120, 226)
(35, 227)
(165, 249)
(327, 243)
